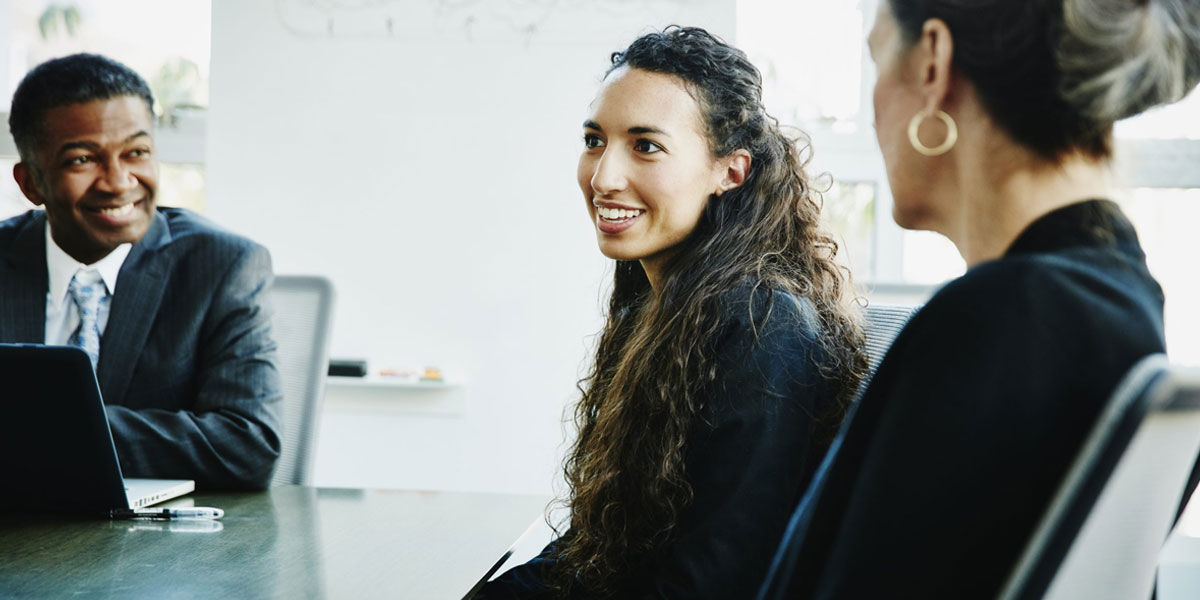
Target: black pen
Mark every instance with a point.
(196, 512)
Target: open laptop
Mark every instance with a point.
(56, 450)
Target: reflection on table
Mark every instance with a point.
(289, 542)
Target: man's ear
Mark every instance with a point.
(933, 58)
(737, 169)
(27, 180)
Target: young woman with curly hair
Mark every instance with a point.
(730, 352)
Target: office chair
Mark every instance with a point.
(1102, 534)
(883, 324)
(303, 312)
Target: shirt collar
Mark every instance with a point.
(61, 267)
(1091, 223)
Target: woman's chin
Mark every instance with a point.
(919, 218)
(616, 252)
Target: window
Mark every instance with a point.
(1166, 221)
(1177, 121)
(848, 208)
(818, 77)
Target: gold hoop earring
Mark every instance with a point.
(945, 146)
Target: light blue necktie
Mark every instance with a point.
(88, 291)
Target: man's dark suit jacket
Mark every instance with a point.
(187, 364)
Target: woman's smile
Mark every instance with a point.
(613, 219)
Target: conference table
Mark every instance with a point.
(288, 542)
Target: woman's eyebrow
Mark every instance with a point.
(635, 130)
(640, 129)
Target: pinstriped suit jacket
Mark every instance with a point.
(187, 365)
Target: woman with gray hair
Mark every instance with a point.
(995, 119)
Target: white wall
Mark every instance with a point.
(430, 173)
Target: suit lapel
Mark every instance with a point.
(23, 284)
(141, 284)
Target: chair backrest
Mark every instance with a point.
(883, 324)
(303, 311)
(1103, 532)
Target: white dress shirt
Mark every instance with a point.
(62, 316)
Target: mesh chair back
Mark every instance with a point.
(1103, 532)
(303, 311)
(883, 324)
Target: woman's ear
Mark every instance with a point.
(737, 168)
(932, 57)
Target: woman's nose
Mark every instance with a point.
(609, 175)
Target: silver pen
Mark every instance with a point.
(194, 512)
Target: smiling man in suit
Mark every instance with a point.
(171, 309)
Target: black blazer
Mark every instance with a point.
(763, 428)
(943, 469)
(187, 364)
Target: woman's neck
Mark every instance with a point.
(1006, 191)
(654, 266)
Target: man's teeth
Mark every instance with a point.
(117, 211)
(614, 214)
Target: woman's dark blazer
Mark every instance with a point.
(764, 427)
(943, 469)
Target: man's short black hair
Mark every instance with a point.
(74, 79)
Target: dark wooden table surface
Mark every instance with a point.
(289, 542)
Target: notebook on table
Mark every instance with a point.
(56, 449)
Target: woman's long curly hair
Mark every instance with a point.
(642, 396)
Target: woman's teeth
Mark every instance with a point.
(617, 214)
